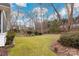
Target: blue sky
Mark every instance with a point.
(30, 6)
(26, 7)
(59, 6)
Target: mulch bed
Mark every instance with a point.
(63, 51)
(3, 51)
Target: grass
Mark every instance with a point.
(33, 46)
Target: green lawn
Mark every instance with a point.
(34, 45)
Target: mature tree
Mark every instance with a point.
(58, 15)
(69, 8)
(39, 13)
(54, 26)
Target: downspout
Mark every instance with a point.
(1, 21)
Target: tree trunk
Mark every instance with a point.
(70, 16)
(58, 15)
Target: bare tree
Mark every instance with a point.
(39, 13)
(69, 8)
(58, 15)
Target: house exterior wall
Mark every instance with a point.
(5, 4)
(5, 16)
(4, 22)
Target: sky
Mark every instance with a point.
(50, 12)
(26, 7)
(29, 7)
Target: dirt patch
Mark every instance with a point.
(63, 51)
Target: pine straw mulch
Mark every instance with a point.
(63, 51)
(3, 51)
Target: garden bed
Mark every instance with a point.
(3, 51)
(60, 50)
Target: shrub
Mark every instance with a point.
(37, 33)
(40, 33)
(70, 39)
(29, 32)
(10, 37)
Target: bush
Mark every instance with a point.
(29, 32)
(37, 33)
(70, 39)
(10, 37)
